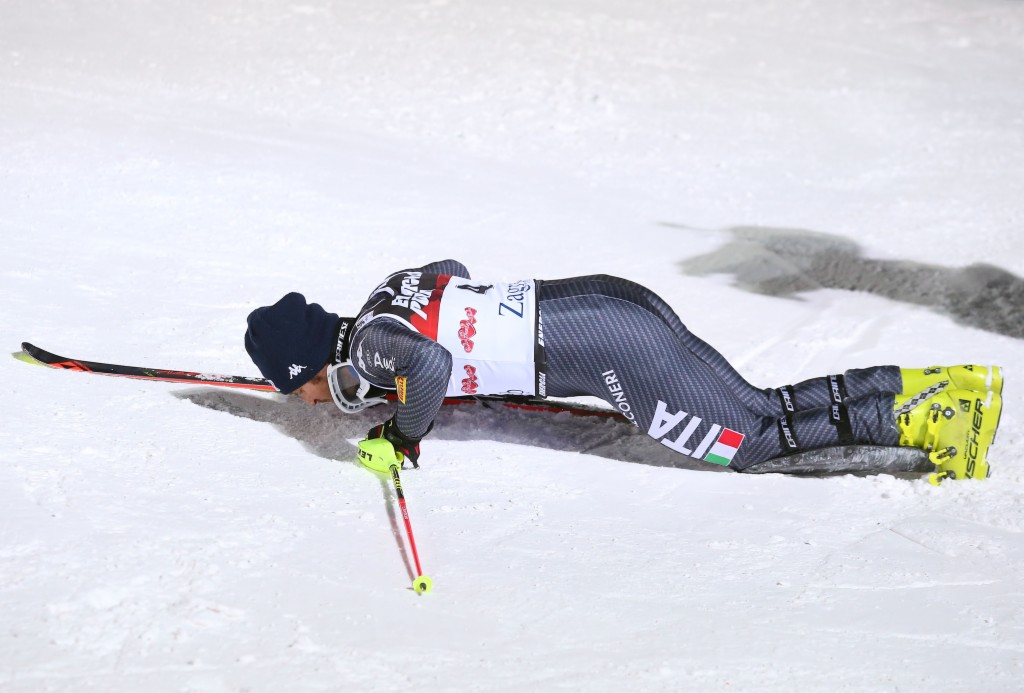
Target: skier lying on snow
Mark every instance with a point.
(433, 332)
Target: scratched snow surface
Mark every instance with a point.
(814, 187)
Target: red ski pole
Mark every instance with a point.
(379, 455)
(422, 583)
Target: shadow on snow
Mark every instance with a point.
(786, 262)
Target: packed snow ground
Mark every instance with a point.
(167, 167)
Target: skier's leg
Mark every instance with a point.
(861, 382)
(764, 402)
(835, 389)
(606, 347)
(809, 394)
(867, 420)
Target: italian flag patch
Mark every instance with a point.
(725, 447)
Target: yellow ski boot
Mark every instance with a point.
(960, 425)
(970, 377)
(912, 416)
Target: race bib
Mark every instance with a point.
(491, 332)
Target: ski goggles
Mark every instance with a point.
(348, 389)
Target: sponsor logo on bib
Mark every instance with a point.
(470, 384)
(467, 329)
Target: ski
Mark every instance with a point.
(30, 353)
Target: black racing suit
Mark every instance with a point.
(612, 338)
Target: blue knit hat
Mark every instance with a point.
(291, 341)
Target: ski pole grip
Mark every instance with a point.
(378, 454)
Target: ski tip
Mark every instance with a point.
(26, 357)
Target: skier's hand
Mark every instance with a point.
(408, 447)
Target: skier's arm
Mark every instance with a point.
(391, 355)
(426, 367)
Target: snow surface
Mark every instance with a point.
(167, 167)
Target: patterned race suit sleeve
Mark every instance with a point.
(385, 349)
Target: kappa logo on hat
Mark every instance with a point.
(294, 370)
